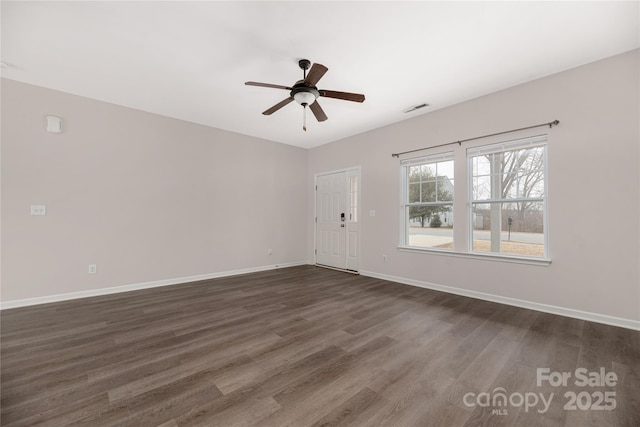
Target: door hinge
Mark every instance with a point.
(315, 251)
(316, 220)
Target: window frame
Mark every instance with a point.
(405, 204)
(502, 147)
(463, 202)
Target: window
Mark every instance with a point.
(427, 202)
(508, 198)
(501, 208)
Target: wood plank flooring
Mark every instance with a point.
(306, 346)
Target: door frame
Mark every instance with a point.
(358, 173)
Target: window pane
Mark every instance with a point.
(429, 171)
(414, 193)
(481, 166)
(481, 187)
(523, 184)
(429, 191)
(509, 228)
(530, 183)
(430, 226)
(531, 158)
(414, 173)
(508, 175)
(445, 169)
(508, 184)
(444, 189)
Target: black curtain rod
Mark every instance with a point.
(550, 124)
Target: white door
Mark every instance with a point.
(337, 225)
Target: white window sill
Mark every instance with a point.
(477, 255)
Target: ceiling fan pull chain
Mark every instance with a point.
(304, 117)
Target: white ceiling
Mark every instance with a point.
(189, 60)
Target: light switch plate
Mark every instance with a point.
(38, 209)
(372, 212)
(54, 124)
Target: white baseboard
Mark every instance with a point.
(552, 309)
(137, 286)
(562, 311)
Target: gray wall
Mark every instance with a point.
(144, 197)
(592, 171)
(149, 198)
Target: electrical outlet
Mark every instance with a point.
(384, 258)
(269, 251)
(372, 212)
(93, 269)
(39, 210)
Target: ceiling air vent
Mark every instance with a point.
(416, 107)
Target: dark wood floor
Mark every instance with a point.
(305, 346)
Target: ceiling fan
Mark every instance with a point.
(305, 92)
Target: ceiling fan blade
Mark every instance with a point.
(278, 106)
(318, 112)
(347, 96)
(267, 85)
(315, 74)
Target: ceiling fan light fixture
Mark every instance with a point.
(304, 97)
